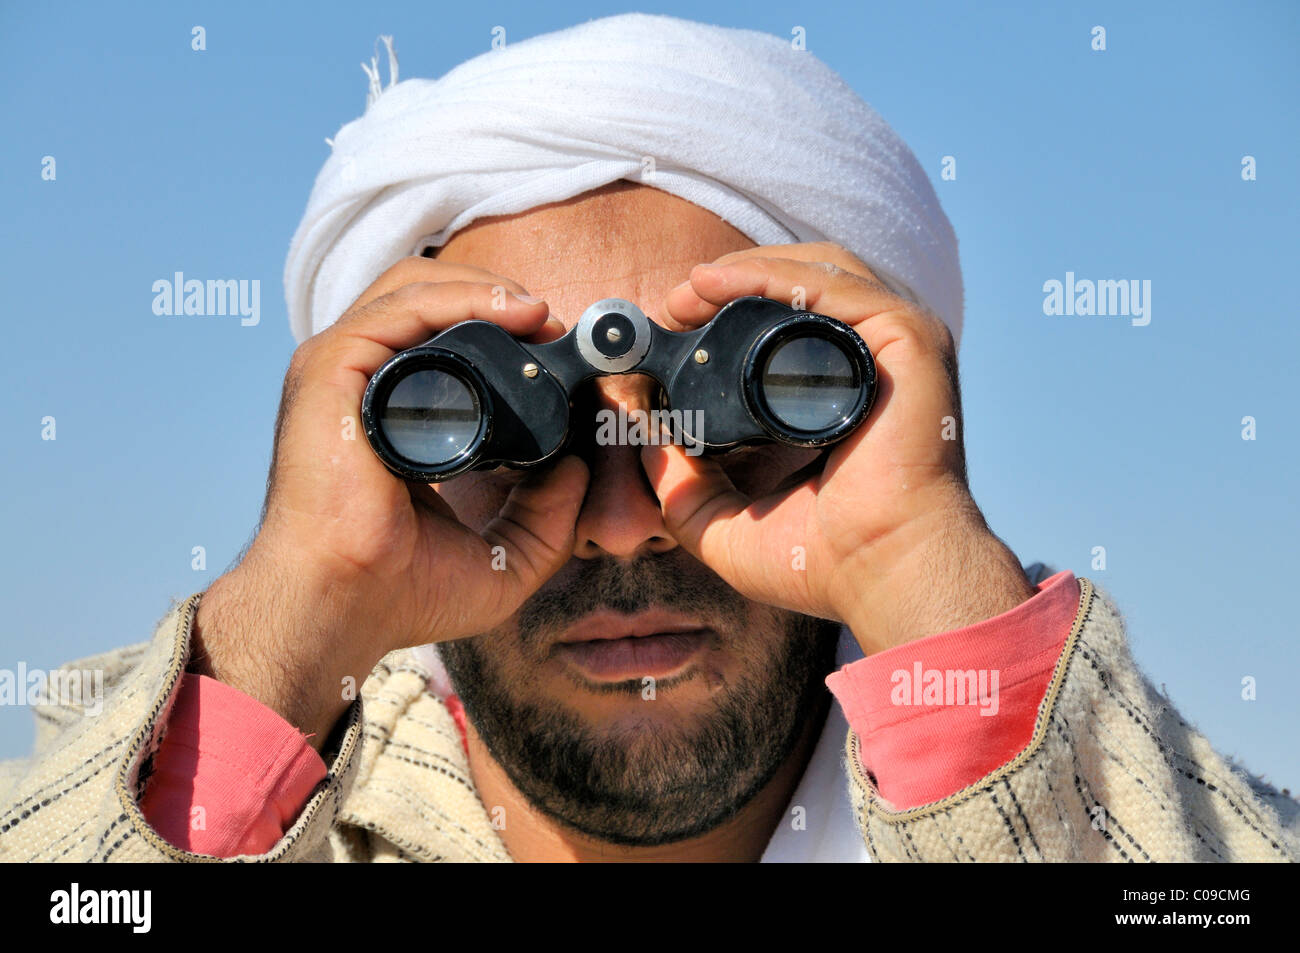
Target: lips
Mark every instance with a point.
(615, 647)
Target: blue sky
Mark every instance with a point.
(1081, 431)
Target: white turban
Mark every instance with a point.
(741, 123)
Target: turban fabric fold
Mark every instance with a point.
(739, 122)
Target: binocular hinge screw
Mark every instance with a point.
(701, 356)
(530, 370)
(613, 334)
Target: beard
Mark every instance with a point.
(645, 784)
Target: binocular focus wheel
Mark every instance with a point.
(613, 335)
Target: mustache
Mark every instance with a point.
(671, 580)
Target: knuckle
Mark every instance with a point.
(912, 335)
(411, 269)
(360, 308)
(409, 296)
(934, 332)
(846, 262)
(922, 333)
(411, 291)
(832, 251)
(839, 255)
(301, 357)
(735, 256)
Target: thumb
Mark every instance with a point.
(701, 506)
(746, 542)
(536, 528)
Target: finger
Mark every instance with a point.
(816, 284)
(881, 317)
(722, 527)
(536, 528)
(366, 338)
(686, 307)
(694, 312)
(693, 494)
(552, 330)
(418, 268)
(805, 251)
(410, 314)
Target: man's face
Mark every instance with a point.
(636, 697)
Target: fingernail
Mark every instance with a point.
(527, 299)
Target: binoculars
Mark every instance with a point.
(475, 397)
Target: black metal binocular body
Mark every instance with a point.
(476, 397)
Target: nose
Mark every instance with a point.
(620, 516)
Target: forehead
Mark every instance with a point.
(624, 240)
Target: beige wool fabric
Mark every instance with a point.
(1112, 773)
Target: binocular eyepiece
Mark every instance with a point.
(476, 397)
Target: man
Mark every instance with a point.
(633, 645)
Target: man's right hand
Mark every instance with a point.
(351, 562)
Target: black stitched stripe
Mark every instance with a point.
(455, 775)
(406, 796)
(396, 842)
(957, 834)
(81, 840)
(14, 809)
(1015, 838)
(48, 801)
(55, 843)
(1015, 802)
(1087, 801)
(1159, 802)
(1134, 711)
(907, 842)
(1056, 804)
(1068, 738)
(103, 835)
(864, 823)
(1165, 747)
(126, 835)
(939, 830)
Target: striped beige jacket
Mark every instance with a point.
(1112, 773)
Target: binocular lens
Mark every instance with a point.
(432, 417)
(809, 383)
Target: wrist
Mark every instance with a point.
(282, 642)
(946, 572)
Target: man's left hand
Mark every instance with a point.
(886, 537)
